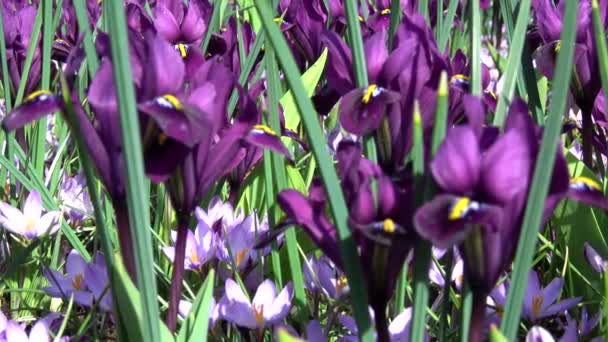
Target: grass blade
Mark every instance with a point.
(138, 207)
(542, 173)
(278, 162)
(214, 25)
(327, 171)
(89, 46)
(475, 60)
(195, 327)
(514, 62)
(600, 43)
(6, 81)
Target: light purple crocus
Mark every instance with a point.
(594, 258)
(75, 197)
(89, 283)
(266, 308)
(16, 332)
(185, 306)
(29, 223)
(539, 334)
(541, 302)
(325, 276)
(577, 331)
(72, 283)
(240, 240)
(399, 328)
(200, 246)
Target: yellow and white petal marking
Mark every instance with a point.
(460, 79)
(38, 95)
(558, 46)
(493, 94)
(386, 11)
(169, 101)
(388, 226)
(371, 92)
(341, 284)
(584, 183)
(240, 256)
(182, 49)
(461, 208)
(537, 304)
(263, 129)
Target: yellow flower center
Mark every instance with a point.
(386, 11)
(240, 256)
(30, 224)
(258, 312)
(77, 282)
(193, 256)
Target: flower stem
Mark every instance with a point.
(178, 271)
(477, 317)
(124, 238)
(587, 139)
(381, 324)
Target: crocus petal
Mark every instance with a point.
(506, 167)
(39, 332)
(75, 265)
(314, 331)
(560, 307)
(14, 332)
(280, 306)
(12, 219)
(539, 334)
(456, 166)
(594, 259)
(33, 205)
(35, 106)
(234, 293)
(239, 313)
(48, 223)
(552, 291)
(399, 327)
(169, 253)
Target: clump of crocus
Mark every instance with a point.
(29, 223)
(322, 275)
(87, 282)
(266, 308)
(11, 331)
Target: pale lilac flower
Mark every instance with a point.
(218, 211)
(72, 283)
(200, 246)
(15, 332)
(89, 283)
(399, 328)
(241, 239)
(595, 260)
(325, 277)
(30, 223)
(575, 331)
(539, 334)
(98, 282)
(3, 322)
(75, 198)
(266, 308)
(540, 302)
(435, 273)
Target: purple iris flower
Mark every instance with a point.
(18, 18)
(594, 259)
(88, 283)
(266, 308)
(29, 223)
(182, 23)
